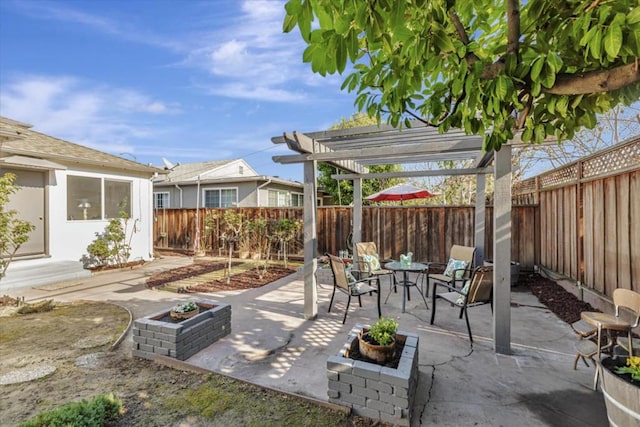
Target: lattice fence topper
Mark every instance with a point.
(565, 175)
(525, 187)
(625, 157)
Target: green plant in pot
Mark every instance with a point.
(378, 342)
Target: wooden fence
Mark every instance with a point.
(581, 220)
(428, 232)
(590, 218)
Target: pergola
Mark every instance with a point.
(353, 149)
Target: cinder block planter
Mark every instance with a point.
(159, 334)
(373, 390)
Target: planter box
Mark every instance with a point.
(515, 270)
(621, 398)
(371, 390)
(159, 334)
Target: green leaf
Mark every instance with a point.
(588, 36)
(289, 24)
(633, 16)
(501, 86)
(443, 41)
(613, 40)
(548, 76)
(536, 67)
(561, 105)
(551, 105)
(341, 56)
(595, 45)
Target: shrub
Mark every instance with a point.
(384, 330)
(102, 408)
(38, 307)
(14, 232)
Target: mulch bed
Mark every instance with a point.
(185, 272)
(561, 302)
(246, 280)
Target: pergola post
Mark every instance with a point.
(502, 252)
(480, 216)
(310, 241)
(357, 210)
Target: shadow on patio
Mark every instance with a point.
(272, 345)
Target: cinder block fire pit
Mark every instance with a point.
(158, 333)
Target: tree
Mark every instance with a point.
(342, 191)
(613, 127)
(543, 67)
(14, 232)
(284, 230)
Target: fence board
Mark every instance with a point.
(611, 239)
(428, 232)
(588, 232)
(634, 229)
(623, 250)
(598, 236)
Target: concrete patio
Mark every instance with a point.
(272, 345)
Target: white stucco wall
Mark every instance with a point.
(68, 240)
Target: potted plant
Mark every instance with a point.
(378, 342)
(184, 310)
(621, 389)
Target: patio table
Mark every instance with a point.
(414, 267)
(608, 323)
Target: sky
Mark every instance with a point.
(145, 79)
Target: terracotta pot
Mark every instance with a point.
(378, 353)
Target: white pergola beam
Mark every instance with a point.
(386, 152)
(413, 174)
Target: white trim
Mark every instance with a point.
(219, 189)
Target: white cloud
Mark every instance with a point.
(252, 59)
(106, 118)
(262, 93)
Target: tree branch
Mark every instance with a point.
(596, 81)
(513, 26)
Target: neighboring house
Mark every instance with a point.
(69, 192)
(223, 184)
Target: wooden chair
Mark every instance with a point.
(369, 268)
(585, 332)
(631, 301)
(598, 342)
(454, 276)
(349, 286)
(479, 291)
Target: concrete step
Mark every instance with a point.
(32, 275)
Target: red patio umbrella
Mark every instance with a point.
(400, 192)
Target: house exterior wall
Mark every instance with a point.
(250, 193)
(68, 239)
(238, 168)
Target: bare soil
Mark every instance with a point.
(77, 339)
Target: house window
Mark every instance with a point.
(86, 197)
(160, 200)
(279, 198)
(297, 199)
(117, 198)
(220, 198)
